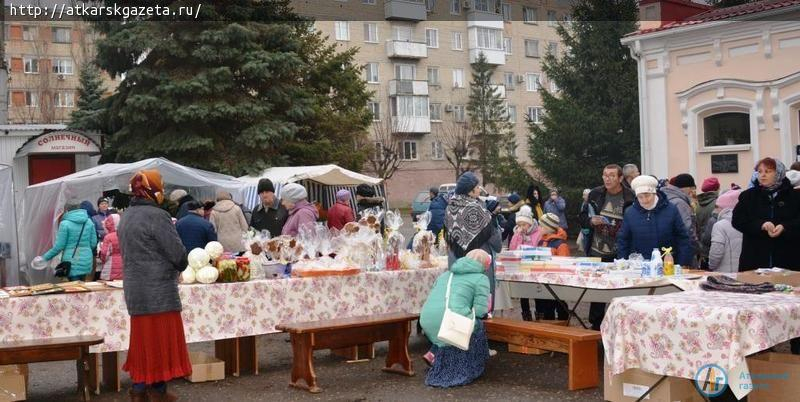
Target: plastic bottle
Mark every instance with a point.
(656, 265)
(669, 262)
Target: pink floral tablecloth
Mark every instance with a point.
(222, 310)
(678, 333)
(608, 281)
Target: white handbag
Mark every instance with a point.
(456, 329)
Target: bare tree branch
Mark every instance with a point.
(459, 144)
(387, 147)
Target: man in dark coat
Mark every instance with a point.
(366, 198)
(437, 207)
(181, 198)
(267, 215)
(193, 229)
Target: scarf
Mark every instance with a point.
(780, 174)
(655, 204)
(466, 217)
(148, 184)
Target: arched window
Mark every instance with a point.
(730, 128)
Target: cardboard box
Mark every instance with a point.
(775, 377)
(206, 368)
(633, 383)
(13, 382)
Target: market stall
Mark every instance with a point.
(43, 203)
(9, 272)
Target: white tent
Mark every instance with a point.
(44, 202)
(9, 272)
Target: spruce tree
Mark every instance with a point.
(246, 85)
(89, 112)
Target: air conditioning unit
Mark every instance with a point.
(520, 79)
(467, 4)
(448, 108)
(61, 77)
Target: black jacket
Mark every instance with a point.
(195, 231)
(597, 199)
(758, 249)
(270, 219)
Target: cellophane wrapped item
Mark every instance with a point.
(285, 249)
(359, 246)
(394, 239)
(424, 240)
(371, 218)
(307, 235)
(254, 246)
(324, 237)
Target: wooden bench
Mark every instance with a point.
(54, 349)
(342, 333)
(580, 344)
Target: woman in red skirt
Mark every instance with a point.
(153, 257)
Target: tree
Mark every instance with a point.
(489, 120)
(244, 86)
(387, 156)
(593, 119)
(89, 112)
(458, 141)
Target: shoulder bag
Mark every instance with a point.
(63, 268)
(456, 329)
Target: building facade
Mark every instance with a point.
(417, 59)
(718, 90)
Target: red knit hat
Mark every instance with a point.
(710, 184)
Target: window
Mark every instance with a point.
(437, 150)
(459, 113)
(552, 20)
(553, 86)
(531, 48)
(436, 111)
(375, 109)
(371, 71)
(370, 2)
(378, 151)
(342, 30)
(370, 32)
(457, 44)
(31, 99)
(62, 66)
(508, 80)
(409, 150)
(29, 33)
(455, 7)
(529, 15)
(535, 114)
(31, 65)
(410, 106)
(403, 33)
(458, 78)
(507, 45)
(552, 48)
(506, 10)
(732, 128)
(432, 37)
(430, 5)
(533, 82)
(482, 5)
(405, 71)
(62, 35)
(433, 76)
(511, 112)
(490, 38)
(64, 99)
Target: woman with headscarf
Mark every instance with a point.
(153, 258)
(340, 213)
(302, 213)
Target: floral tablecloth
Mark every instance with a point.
(678, 333)
(222, 310)
(607, 281)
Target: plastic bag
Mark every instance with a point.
(424, 240)
(372, 218)
(394, 239)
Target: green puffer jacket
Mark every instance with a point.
(67, 239)
(470, 288)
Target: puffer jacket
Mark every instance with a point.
(644, 230)
(557, 207)
(520, 239)
(557, 242)
(195, 232)
(229, 222)
(303, 214)
(469, 289)
(726, 244)
(706, 204)
(339, 214)
(110, 253)
(681, 201)
(437, 208)
(67, 240)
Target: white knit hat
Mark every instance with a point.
(644, 184)
(293, 192)
(525, 215)
(176, 195)
(794, 177)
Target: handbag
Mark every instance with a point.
(455, 330)
(63, 267)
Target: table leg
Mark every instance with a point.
(83, 366)
(302, 363)
(248, 355)
(227, 351)
(398, 351)
(93, 379)
(651, 292)
(570, 311)
(111, 371)
(649, 390)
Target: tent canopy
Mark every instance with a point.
(329, 175)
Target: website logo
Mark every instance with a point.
(711, 380)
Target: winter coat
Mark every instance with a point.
(755, 207)
(707, 202)
(67, 240)
(270, 219)
(370, 202)
(681, 201)
(229, 222)
(195, 232)
(437, 209)
(469, 289)
(519, 239)
(726, 244)
(339, 215)
(594, 205)
(183, 206)
(98, 223)
(644, 230)
(152, 258)
(707, 232)
(303, 214)
(110, 254)
(557, 242)
(557, 207)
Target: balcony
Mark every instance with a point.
(500, 90)
(493, 56)
(411, 125)
(408, 87)
(484, 19)
(405, 10)
(402, 49)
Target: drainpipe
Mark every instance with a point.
(636, 52)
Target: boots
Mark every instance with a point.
(137, 396)
(156, 396)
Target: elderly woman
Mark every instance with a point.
(340, 213)
(76, 240)
(229, 222)
(301, 212)
(153, 257)
(653, 222)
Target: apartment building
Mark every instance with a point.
(417, 59)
